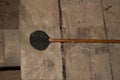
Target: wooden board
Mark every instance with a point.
(10, 75)
(83, 19)
(1, 35)
(12, 48)
(40, 15)
(112, 21)
(9, 14)
(2, 48)
(9, 34)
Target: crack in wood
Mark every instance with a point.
(62, 45)
(108, 8)
(106, 35)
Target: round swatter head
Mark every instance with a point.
(39, 40)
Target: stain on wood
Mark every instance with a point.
(49, 65)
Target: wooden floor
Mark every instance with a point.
(72, 19)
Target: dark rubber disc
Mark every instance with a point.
(39, 40)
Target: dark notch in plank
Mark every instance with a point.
(62, 44)
(9, 68)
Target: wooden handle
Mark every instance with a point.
(83, 41)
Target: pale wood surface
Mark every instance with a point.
(12, 48)
(83, 19)
(40, 15)
(112, 21)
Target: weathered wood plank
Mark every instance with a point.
(12, 48)
(40, 15)
(2, 48)
(83, 19)
(1, 36)
(9, 14)
(10, 75)
(112, 20)
(9, 23)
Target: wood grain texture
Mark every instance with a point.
(83, 19)
(40, 15)
(112, 21)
